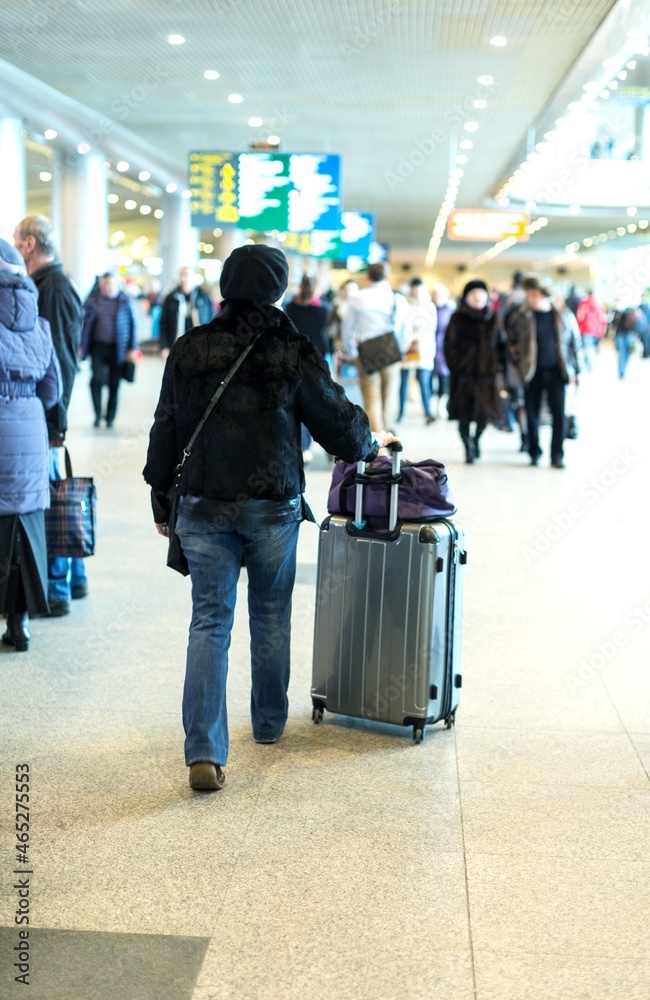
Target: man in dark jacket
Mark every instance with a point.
(60, 305)
(544, 344)
(186, 306)
(241, 490)
(109, 337)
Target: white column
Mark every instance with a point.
(84, 219)
(643, 117)
(324, 269)
(55, 198)
(178, 239)
(13, 188)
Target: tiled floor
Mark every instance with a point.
(505, 860)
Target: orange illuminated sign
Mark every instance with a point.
(486, 226)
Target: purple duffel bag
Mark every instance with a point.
(424, 493)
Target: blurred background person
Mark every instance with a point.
(109, 338)
(60, 305)
(544, 342)
(309, 315)
(186, 306)
(421, 352)
(30, 384)
(444, 310)
(377, 310)
(472, 349)
(644, 306)
(592, 323)
(630, 327)
(339, 307)
(573, 299)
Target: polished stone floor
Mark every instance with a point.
(508, 859)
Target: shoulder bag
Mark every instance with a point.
(380, 352)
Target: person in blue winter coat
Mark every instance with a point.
(30, 384)
(109, 337)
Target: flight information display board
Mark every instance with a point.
(266, 191)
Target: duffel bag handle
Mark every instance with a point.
(396, 448)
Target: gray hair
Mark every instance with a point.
(41, 229)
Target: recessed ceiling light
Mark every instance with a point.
(609, 235)
(175, 39)
(620, 231)
(462, 158)
(171, 187)
(207, 248)
(50, 133)
(631, 211)
(122, 166)
(560, 121)
(504, 202)
(588, 242)
(486, 80)
(622, 75)
(144, 175)
(643, 223)
(112, 199)
(158, 214)
(145, 209)
(235, 98)
(211, 74)
(574, 209)
(573, 105)
(499, 41)
(631, 64)
(550, 135)
(83, 148)
(255, 122)
(609, 63)
(45, 175)
(613, 84)
(466, 144)
(479, 103)
(590, 86)
(632, 227)
(604, 94)
(273, 140)
(130, 204)
(217, 232)
(186, 194)
(471, 126)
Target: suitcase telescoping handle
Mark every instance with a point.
(395, 447)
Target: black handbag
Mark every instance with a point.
(176, 558)
(127, 371)
(71, 516)
(380, 352)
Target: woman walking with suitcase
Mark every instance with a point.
(241, 489)
(472, 351)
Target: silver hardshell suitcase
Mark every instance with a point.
(387, 637)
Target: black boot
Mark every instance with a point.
(469, 450)
(477, 450)
(17, 634)
(524, 441)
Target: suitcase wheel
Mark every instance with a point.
(418, 735)
(450, 720)
(317, 714)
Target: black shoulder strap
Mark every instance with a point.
(187, 450)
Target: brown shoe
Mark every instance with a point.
(206, 776)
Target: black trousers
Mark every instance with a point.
(549, 381)
(106, 371)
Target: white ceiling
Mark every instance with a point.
(370, 79)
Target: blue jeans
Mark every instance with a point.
(62, 573)
(424, 381)
(214, 553)
(624, 345)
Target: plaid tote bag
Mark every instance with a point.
(71, 518)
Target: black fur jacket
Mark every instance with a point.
(250, 446)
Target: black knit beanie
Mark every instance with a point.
(474, 283)
(258, 273)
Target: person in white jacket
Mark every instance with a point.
(421, 353)
(377, 310)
